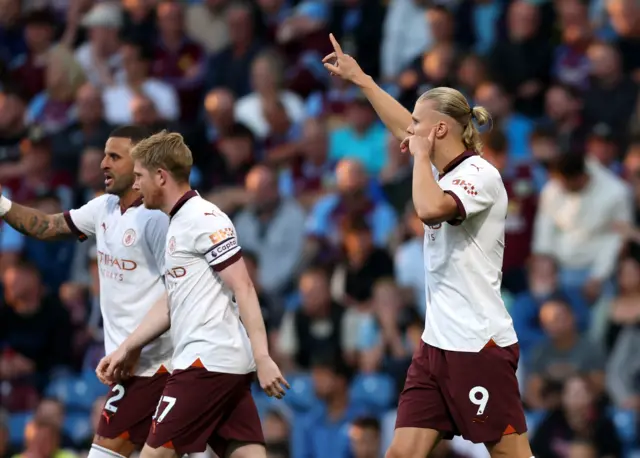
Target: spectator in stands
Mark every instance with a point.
(43, 440)
(363, 138)
(353, 199)
(316, 327)
(90, 182)
(516, 127)
(88, 129)
(267, 82)
(582, 449)
(145, 113)
(28, 69)
(383, 342)
(545, 150)
(231, 67)
(623, 337)
(406, 35)
(283, 135)
(603, 148)
(51, 410)
(100, 57)
(395, 177)
(11, 36)
(51, 109)
(4, 435)
(271, 310)
(12, 130)
(526, 308)
(579, 417)
(136, 62)
(229, 171)
(363, 264)
(276, 433)
(523, 202)
(564, 354)
(575, 223)
(206, 24)
(139, 21)
(563, 108)
(571, 65)
(521, 62)
(365, 438)
(612, 95)
(34, 326)
(309, 171)
(325, 430)
(471, 72)
(179, 61)
(625, 19)
(273, 228)
(409, 260)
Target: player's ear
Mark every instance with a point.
(441, 129)
(162, 176)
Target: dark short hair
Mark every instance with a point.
(496, 141)
(543, 131)
(240, 131)
(356, 225)
(570, 165)
(571, 91)
(134, 133)
(367, 423)
(332, 361)
(145, 53)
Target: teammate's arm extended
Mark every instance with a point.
(37, 224)
(155, 323)
(237, 278)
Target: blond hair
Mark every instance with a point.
(452, 103)
(165, 150)
(64, 57)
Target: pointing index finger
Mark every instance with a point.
(336, 45)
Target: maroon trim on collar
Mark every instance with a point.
(181, 201)
(456, 162)
(135, 203)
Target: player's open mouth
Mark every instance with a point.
(108, 180)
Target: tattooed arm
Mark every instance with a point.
(37, 224)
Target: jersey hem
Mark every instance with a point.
(442, 347)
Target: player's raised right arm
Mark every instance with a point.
(394, 116)
(34, 223)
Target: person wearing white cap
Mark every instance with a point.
(99, 56)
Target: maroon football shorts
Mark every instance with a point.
(199, 407)
(474, 395)
(130, 407)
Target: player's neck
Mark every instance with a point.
(446, 153)
(173, 194)
(128, 198)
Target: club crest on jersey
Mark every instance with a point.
(172, 245)
(129, 237)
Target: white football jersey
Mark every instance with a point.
(463, 262)
(130, 248)
(205, 321)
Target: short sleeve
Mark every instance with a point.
(217, 241)
(82, 221)
(474, 190)
(156, 237)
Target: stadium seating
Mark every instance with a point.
(78, 427)
(301, 397)
(17, 424)
(373, 391)
(74, 392)
(626, 424)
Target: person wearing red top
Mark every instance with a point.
(521, 212)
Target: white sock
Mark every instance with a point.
(97, 451)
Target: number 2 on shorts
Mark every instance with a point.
(170, 401)
(119, 394)
(480, 401)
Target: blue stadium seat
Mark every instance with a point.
(74, 392)
(301, 397)
(263, 402)
(95, 386)
(625, 421)
(17, 424)
(373, 391)
(78, 427)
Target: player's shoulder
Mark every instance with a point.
(106, 202)
(202, 212)
(478, 167)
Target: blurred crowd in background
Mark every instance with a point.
(321, 199)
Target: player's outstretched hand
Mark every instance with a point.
(418, 145)
(341, 64)
(270, 378)
(117, 366)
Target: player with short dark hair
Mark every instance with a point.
(462, 380)
(130, 256)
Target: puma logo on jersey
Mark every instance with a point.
(104, 227)
(477, 168)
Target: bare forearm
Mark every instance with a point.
(37, 224)
(394, 116)
(253, 321)
(428, 197)
(155, 323)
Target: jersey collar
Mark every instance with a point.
(135, 203)
(456, 162)
(181, 201)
